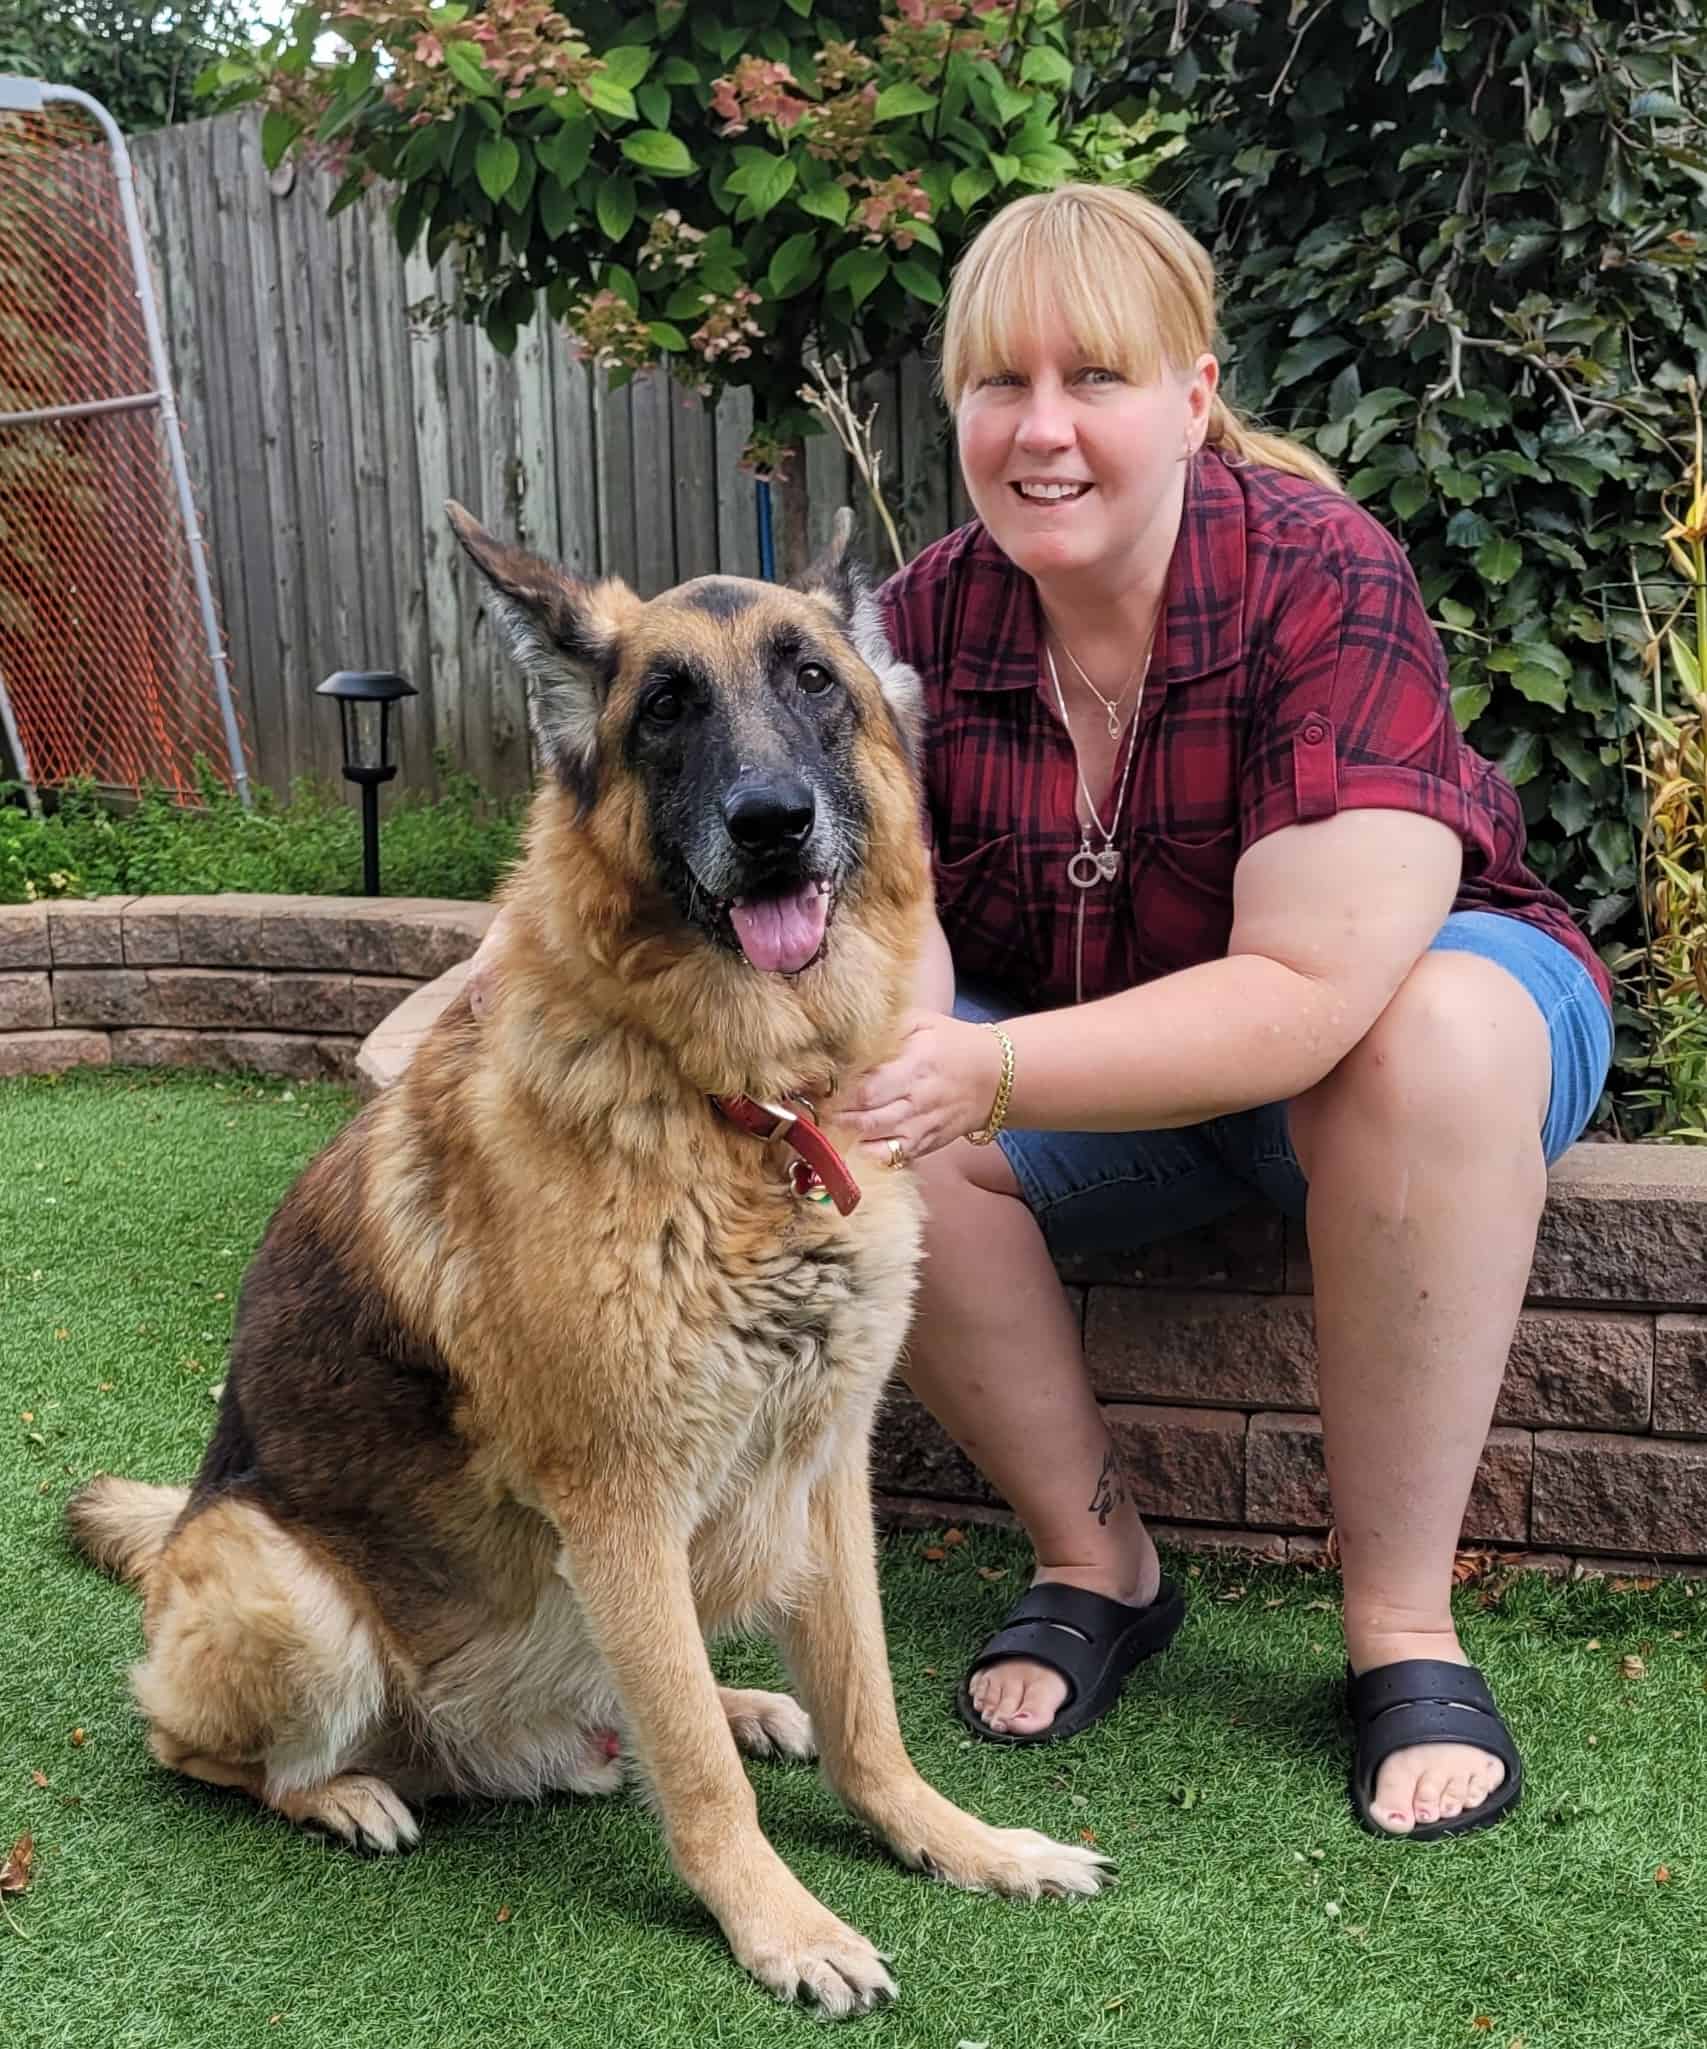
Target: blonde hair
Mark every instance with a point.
(1135, 288)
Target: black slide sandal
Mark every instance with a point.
(1425, 1700)
(1093, 1643)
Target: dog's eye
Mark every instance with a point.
(662, 706)
(814, 678)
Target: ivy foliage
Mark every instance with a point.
(1461, 252)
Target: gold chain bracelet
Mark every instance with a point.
(986, 1133)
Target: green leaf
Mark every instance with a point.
(1456, 614)
(1575, 756)
(496, 163)
(914, 278)
(1010, 104)
(1522, 759)
(1498, 560)
(610, 98)
(793, 266)
(1571, 807)
(278, 132)
(1408, 497)
(1045, 65)
(667, 337)
(827, 202)
(1469, 701)
(858, 273)
(1306, 357)
(1683, 658)
(462, 61)
(558, 209)
(1467, 530)
(969, 186)
(1611, 844)
(901, 98)
(654, 104)
(653, 150)
(770, 184)
(565, 152)
(627, 65)
(1539, 685)
(621, 281)
(615, 207)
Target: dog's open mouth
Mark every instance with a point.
(783, 934)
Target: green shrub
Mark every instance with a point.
(457, 846)
(1462, 252)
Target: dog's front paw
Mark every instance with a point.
(356, 1807)
(768, 1724)
(934, 1836)
(810, 1956)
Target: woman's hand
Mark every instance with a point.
(939, 1086)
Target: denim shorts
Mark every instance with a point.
(1107, 1191)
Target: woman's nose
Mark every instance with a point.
(1046, 421)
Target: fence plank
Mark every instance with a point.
(737, 498)
(577, 465)
(619, 553)
(443, 567)
(693, 444)
(654, 500)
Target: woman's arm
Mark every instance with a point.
(1328, 920)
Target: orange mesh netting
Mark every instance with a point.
(103, 647)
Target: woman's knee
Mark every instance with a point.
(1458, 1061)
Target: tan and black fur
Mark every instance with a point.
(542, 1376)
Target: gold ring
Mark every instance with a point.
(897, 1156)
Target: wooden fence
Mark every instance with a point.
(328, 417)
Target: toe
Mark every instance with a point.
(1039, 1703)
(1394, 1806)
(1430, 1787)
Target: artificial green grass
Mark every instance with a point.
(164, 1913)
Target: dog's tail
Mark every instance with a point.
(122, 1525)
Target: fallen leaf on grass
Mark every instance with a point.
(1482, 2021)
(1593, 1644)
(1663, 1875)
(1319, 1607)
(953, 1537)
(503, 1913)
(1089, 1835)
(1470, 1566)
(26, 1415)
(1232, 1594)
(933, 1554)
(1632, 1667)
(1278, 1602)
(38, 1778)
(78, 1739)
(15, 1872)
(992, 1572)
(1645, 1585)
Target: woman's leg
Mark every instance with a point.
(1424, 1159)
(995, 1356)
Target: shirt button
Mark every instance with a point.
(1315, 733)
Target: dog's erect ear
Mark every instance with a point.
(837, 577)
(564, 635)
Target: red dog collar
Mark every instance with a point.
(804, 1138)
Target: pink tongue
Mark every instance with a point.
(782, 934)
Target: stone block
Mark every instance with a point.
(151, 931)
(1249, 1351)
(1680, 1376)
(311, 1003)
(1185, 1464)
(1286, 1483)
(373, 998)
(224, 931)
(307, 932)
(100, 997)
(53, 1052)
(416, 937)
(23, 936)
(911, 1454)
(1596, 1491)
(87, 933)
(26, 1002)
(208, 998)
(1243, 1250)
(1579, 1369)
(1626, 1224)
(287, 1056)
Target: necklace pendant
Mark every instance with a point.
(1113, 723)
(1085, 870)
(1108, 864)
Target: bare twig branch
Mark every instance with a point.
(831, 394)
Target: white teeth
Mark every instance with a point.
(1051, 492)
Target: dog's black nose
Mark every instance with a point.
(763, 816)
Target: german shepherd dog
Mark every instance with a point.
(550, 1367)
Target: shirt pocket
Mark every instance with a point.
(1182, 897)
(982, 912)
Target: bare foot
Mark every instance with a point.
(1019, 1697)
(1429, 1781)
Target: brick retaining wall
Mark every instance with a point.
(1201, 1347)
(287, 986)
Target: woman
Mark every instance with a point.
(1226, 905)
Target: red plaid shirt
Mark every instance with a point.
(1295, 675)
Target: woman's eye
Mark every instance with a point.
(662, 706)
(1097, 375)
(814, 678)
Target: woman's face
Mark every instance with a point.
(1070, 467)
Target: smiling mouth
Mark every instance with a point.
(781, 934)
(1049, 494)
